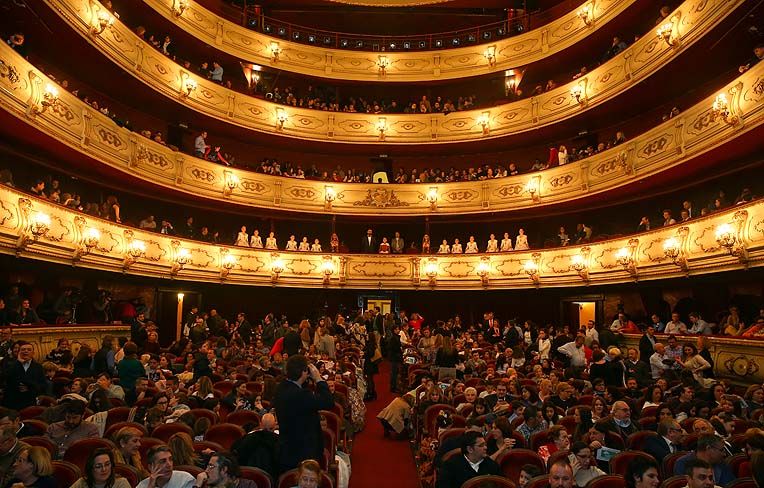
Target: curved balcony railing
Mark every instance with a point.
(689, 22)
(337, 63)
(722, 241)
(698, 130)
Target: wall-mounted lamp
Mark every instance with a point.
(383, 62)
(281, 117)
(49, 99)
(432, 197)
(182, 257)
(490, 55)
(275, 50)
(179, 7)
(89, 238)
(103, 20)
(227, 263)
(533, 187)
(277, 267)
(382, 128)
(673, 249)
(431, 270)
(577, 92)
(327, 266)
(625, 256)
(135, 249)
(35, 224)
(586, 14)
(580, 263)
(484, 120)
(721, 108)
(666, 33)
(531, 268)
(330, 195)
(731, 238)
(484, 270)
(230, 184)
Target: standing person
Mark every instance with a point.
(395, 355)
(369, 243)
(24, 379)
(372, 356)
(297, 410)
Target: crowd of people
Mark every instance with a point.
(518, 400)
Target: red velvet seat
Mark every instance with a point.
(648, 412)
(488, 480)
(224, 386)
(243, 417)
(79, 451)
(607, 481)
(556, 457)
(131, 474)
(146, 444)
(742, 483)
(511, 461)
(450, 433)
(678, 481)
(667, 464)
(539, 439)
(201, 446)
(541, 481)
(334, 423)
(117, 402)
(165, 431)
(66, 473)
(735, 462)
(636, 441)
(224, 434)
(36, 427)
(260, 477)
(431, 417)
(192, 470)
(117, 414)
(31, 412)
(46, 401)
(41, 441)
(289, 479)
(620, 462)
(204, 412)
(112, 430)
(569, 422)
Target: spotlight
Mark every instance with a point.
(268, 28)
(296, 36)
(253, 23)
(471, 38)
(406, 45)
(439, 43)
(359, 44)
(500, 31)
(486, 35)
(311, 38)
(423, 44)
(282, 31)
(343, 42)
(392, 45)
(328, 40)
(455, 41)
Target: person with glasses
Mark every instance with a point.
(667, 441)
(222, 471)
(711, 450)
(473, 462)
(33, 469)
(99, 472)
(619, 421)
(581, 461)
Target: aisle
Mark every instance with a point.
(377, 461)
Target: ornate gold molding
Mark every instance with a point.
(693, 18)
(45, 338)
(344, 64)
(128, 250)
(695, 131)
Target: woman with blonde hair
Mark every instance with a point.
(308, 474)
(33, 468)
(182, 448)
(128, 441)
(304, 329)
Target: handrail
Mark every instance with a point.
(38, 229)
(643, 58)
(694, 132)
(351, 64)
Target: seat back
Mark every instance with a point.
(224, 434)
(78, 452)
(243, 417)
(736, 461)
(742, 483)
(667, 464)
(201, 446)
(488, 480)
(539, 439)
(38, 440)
(112, 430)
(569, 422)
(431, 416)
(511, 461)
(31, 412)
(204, 412)
(620, 462)
(260, 477)
(146, 444)
(289, 479)
(556, 457)
(678, 481)
(541, 481)
(607, 481)
(192, 470)
(117, 414)
(66, 473)
(165, 431)
(636, 441)
(130, 473)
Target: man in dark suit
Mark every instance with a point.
(297, 410)
(24, 379)
(369, 243)
(619, 421)
(472, 462)
(647, 343)
(260, 448)
(666, 442)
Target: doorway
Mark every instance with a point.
(167, 311)
(577, 311)
(386, 302)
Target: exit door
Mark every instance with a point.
(386, 306)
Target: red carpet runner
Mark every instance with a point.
(376, 461)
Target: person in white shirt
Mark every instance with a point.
(675, 326)
(304, 245)
(493, 244)
(657, 365)
(457, 247)
(575, 351)
(291, 244)
(256, 241)
(699, 326)
(270, 241)
(444, 248)
(591, 334)
(472, 246)
(544, 345)
(162, 474)
(584, 470)
(521, 241)
(506, 243)
(242, 239)
(316, 247)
